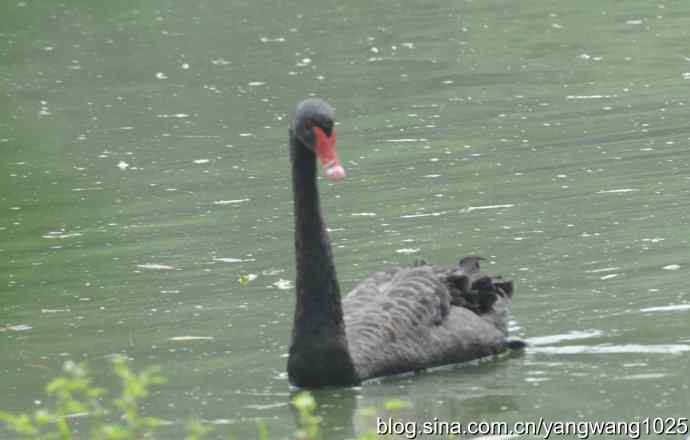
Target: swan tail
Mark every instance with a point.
(516, 344)
(474, 290)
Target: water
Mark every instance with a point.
(144, 167)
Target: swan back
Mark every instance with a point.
(411, 318)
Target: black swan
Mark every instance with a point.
(403, 319)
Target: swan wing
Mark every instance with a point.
(407, 319)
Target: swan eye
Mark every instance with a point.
(324, 123)
(327, 127)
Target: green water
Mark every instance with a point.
(144, 170)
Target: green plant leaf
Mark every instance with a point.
(395, 404)
(261, 430)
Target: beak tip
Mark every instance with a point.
(335, 173)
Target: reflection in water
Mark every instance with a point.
(554, 339)
(460, 393)
(474, 391)
(615, 349)
(337, 408)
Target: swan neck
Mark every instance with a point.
(318, 351)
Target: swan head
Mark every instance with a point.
(314, 127)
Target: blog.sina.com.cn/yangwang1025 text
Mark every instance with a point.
(542, 428)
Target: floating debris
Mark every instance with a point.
(230, 202)
(644, 376)
(590, 96)
(671, 267)
(267, 406)
(283, 284)
(220, 62)
(233, 260)
(537, 379)
(603, 269)
(407, 251)
(191, 338)
(427, 214)
(155, 266)
(272, 271)
(246, 279)
(174, 116)
(407, 140)
(364, 214)
(586, 56)
(16, 328)
(61, 235)
(671, 308)
(272, 40)
(653, 240)
(611, 191)
(122, 165)
(202, 161)
(481, 208)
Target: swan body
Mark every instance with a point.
(408, 319)
(395, 321)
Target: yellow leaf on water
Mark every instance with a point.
(246, 279)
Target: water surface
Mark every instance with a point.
(145, 171)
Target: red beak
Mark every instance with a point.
(328, 156)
